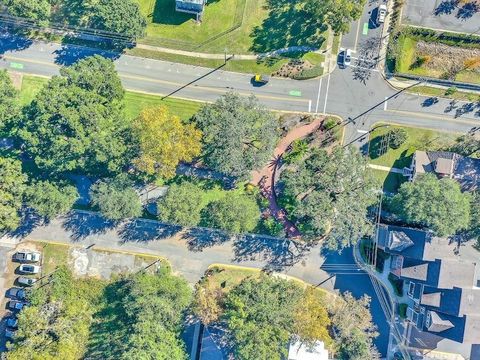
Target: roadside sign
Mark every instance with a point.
(295, 93)
(365, 28)
(15, 65)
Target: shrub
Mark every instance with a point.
(396, 138)
(396, 283)
(451, 90)
(298, 150)
(402, 310)
(272, 227)
(306, 74)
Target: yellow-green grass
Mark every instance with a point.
(134, 101)
(336, 44)
(439, 92)
(54, 255)
(417, 139)
(407, 54)
(389, 181)
(469, 76)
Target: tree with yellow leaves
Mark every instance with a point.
(164, 141)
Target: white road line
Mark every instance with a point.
(326, 95)
(318, 95)
(362, 131)
(356, 38)
(385, 104)
(309, 105)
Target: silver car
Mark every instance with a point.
(29, 269)
(26, 281)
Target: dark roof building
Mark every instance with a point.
(443, 289)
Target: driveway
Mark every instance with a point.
(445, 15)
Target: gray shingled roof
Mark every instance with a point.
(399, 241)
(456, 273)
(418, 272)
(436, 323)
(432, 299)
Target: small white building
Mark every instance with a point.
(299, 351)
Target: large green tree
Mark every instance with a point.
(51, 199)
(12, 188)
(338, 14)
(239, 135)
(234, 213)
(181, 205)
(77, 123)
(437, 204)
(260, 315)
(37, 10)
(116, 198)
(329, 193)
(8, 99)
(119, 16)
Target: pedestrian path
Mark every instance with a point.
(386, 168)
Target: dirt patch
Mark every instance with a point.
(293, 68)
(448, 60)
(16, 79)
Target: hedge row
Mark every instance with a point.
(306, 74)
(447, 38)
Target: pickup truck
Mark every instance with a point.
(27, 256)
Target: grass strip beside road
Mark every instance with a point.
(134, 101)
(440, 92)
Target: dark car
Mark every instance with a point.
(12, 322)
(16, 305)
(16, 292)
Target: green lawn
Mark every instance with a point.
(407, 54)
(418, 139)
(134, 102)
(389, 181)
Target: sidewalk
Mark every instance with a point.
(386, 168)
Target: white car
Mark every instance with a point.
(27, 256)
(29, 269)
(381, 14)
(23, 280)
(347, 57)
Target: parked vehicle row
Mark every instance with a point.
(18, 295)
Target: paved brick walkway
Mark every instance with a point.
(265, 178)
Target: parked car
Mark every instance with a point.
(381, 14)
(29, 269)
(12, 322)
(9, 333)
(16, 305)
(16, 292)
(27, 256)
(347, 57)
(23, 280)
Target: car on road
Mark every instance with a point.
(16, 305)
(12, 322)
(27, 256)
(16, 292)
(261, 79)
(381, 14)
(29, 269)
(347, 57)
(23, 280)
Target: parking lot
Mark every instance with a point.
(446, 15)
(84, 262)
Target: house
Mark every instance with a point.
(195, 7)
(442, 289)
(299, 351)
(465, 170)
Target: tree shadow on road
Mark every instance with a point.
(201, 238)
(13, 42)
(138, 230)
(29, 221)
(69, 54)
(446, 7)
(83, 224)
(467, 11)
(278, 254)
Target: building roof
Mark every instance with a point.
(437, 324)
(404, 241)
(470, 302)
(467, 173)
(299, 351)
(399, 240)
(456, 273)
(444, 166)
(431, 299)
(426, 161)
(472, 329)
(417, 272)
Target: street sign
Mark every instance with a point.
(15, 65)
(295, 93)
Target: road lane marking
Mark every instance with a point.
(309, 105)
(385, 103)
(326, 95)
(434, 117)
(7, 57)
(356, 37)
(318, 95)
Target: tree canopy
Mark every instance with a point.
(181, 205)
(260, 315)
(50, 199)
(116, 198)
(119, 16)
(12, 188)
(234, 213)
(38, 10)
(76, 122)
(437, 204)
(239, 135)
(164, 141)
(8, 99)
(338, 14)
(329, 193)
